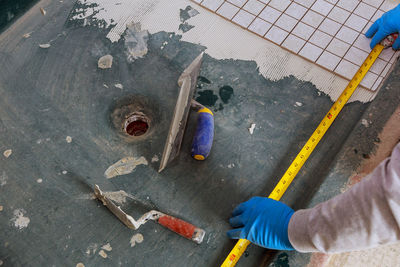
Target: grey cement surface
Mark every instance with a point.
(49, 94)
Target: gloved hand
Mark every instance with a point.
(387, 24)
(262, 221)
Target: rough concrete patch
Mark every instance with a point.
(365, 122)
(105, 62)
(103, 254)
(117, 196)
(3, 178)
(7, 153)
(124, 166)
(19, 220)
(107, 247)
(137, 238)
(135, 41)
(155, 158)
(187, 13)
(252, 127)
(91, 249)
(44, 45)
(185, 27)
(118, 85)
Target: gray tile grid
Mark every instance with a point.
(329, 33)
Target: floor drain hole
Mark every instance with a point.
(136, 125)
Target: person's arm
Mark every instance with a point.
(365, 216)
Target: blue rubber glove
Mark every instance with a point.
(387, 24)
(262, 221)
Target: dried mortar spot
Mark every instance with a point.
(103, 254)
(7, 153)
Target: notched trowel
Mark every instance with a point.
(176, 225)
(203, 138)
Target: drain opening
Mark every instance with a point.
(136, 125)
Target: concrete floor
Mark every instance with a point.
(48, 216)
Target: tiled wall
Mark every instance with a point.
(327, 32)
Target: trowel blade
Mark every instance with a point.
(187, 82)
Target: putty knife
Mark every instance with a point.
(203, 138)
(176, 225)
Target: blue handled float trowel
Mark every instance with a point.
(204, 134)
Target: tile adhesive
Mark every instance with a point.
(222, 39)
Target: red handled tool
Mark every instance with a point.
(176, 225)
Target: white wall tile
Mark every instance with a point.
(338, 47)
(378, 66)
(254, 7)
(302, 30)
(332, 1)
(395, 56)
(293, 43)
(286, 22)
(322, 7)
(320, 39)
(313, 19)
(386, 54)
(270, 14)
(295, 10)
(388, 5)
(260, 26)
(276, 35)
(377, 84)
(328, 60)
(365, 11)
(339, 14)
(329, 26)
(228, 10)
(281, 5)
(349, 5)
(386, 70)
(306, 3)
(212, 4)
(369, 79)
(330, 33)
(356, 56)
(363, 42)
(311, 52)
(356, 22)
(238, 3)
(374, 3)
(243, 18)
(366, 28)
(377, 15)
(346, 69)
(346, 34)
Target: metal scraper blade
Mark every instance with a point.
(187, 82)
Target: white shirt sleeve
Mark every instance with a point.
(365, 216)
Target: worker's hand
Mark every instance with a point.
(262, 221)
(387, 24)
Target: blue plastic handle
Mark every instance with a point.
(204, 135)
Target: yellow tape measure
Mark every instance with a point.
(308, 148)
